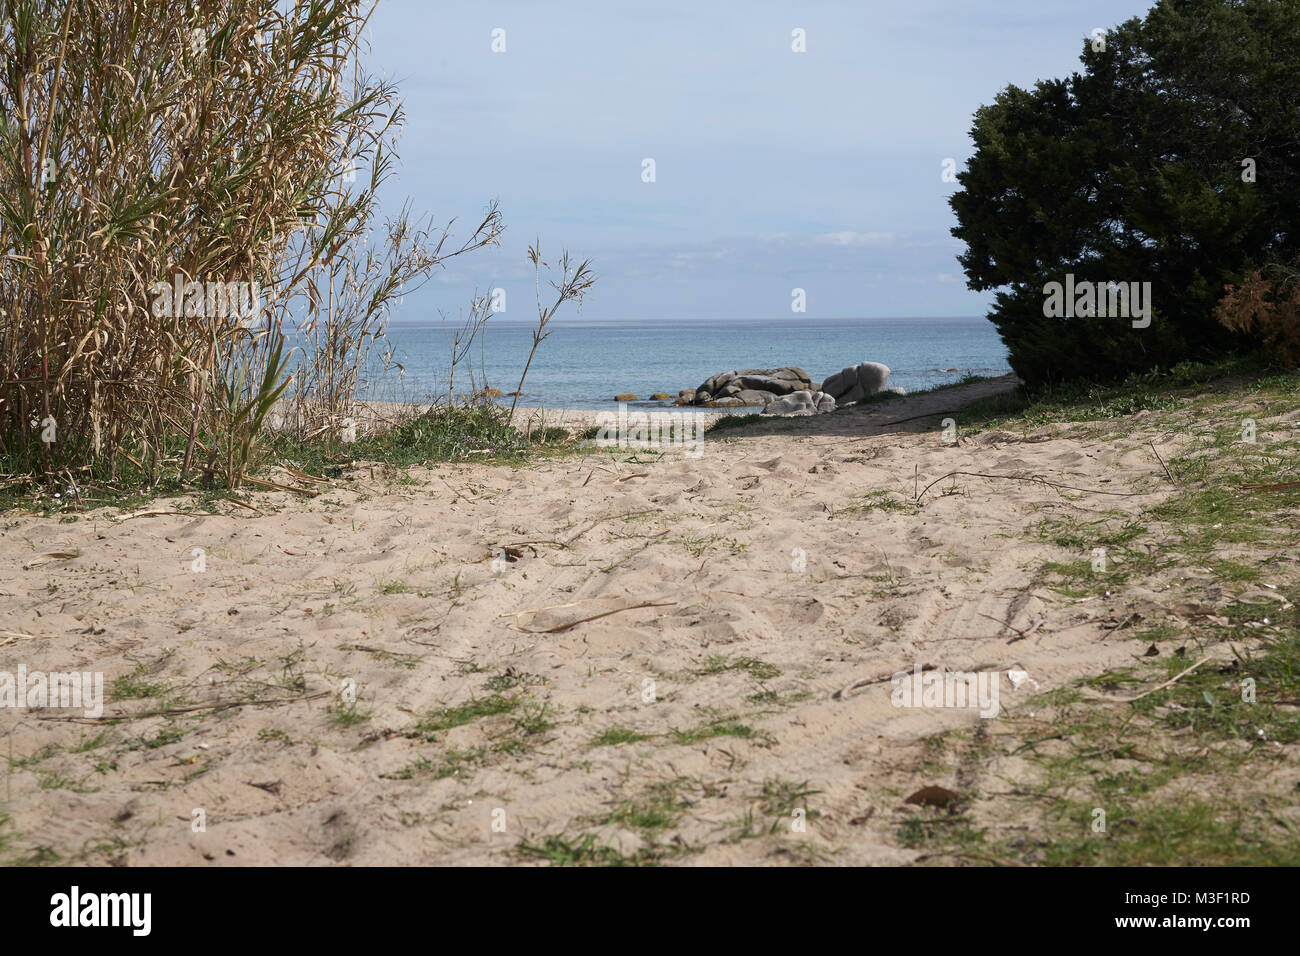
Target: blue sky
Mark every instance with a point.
(774, 170)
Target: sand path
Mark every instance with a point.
(782, 567)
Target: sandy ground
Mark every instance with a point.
(751, 589)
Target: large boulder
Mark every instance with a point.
(779, 381)
(856, 382)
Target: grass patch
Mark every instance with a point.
(450, 717)
(1192, 774)
(613, 736)
(759, 670)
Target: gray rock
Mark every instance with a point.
(777, 385)
(856, 382)
(729, 401)
(898, 390)
(796, 403)
(752, 396)
(711, 385)
(825, 403)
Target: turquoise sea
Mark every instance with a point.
(584, 364)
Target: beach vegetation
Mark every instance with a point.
(195, 280)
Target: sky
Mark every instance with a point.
(774, 170)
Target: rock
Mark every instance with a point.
(686, 396)
(754, 397)
(898, 390)
(802, 402)
(625, 397)
(933, 797)
(712, 385)
(796, 403)
(660, 397)
(731, 401)
(777, 385)
(856, 382)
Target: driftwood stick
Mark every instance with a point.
(1169, 683)
(170, 711)
(595, 617)
(1037, 479)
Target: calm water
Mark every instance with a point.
(585, 364)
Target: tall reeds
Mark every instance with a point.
(180, 180)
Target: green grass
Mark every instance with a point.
(584, 850)
(462, 433)
(1193, 773)
(759, 670)
(882, 499)
(660, 807)
(136, 686)
(450, 717)
(723, 727)
(613, 736)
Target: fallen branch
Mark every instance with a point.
(276, 486)
(1021, 632)
(1169, 683)
(844, 691)
(11, 637)
(626, 514)
(1162, 464)
(1036, 479)
(1278, 486)
(213, 708)
(583, 620)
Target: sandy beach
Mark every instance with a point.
(545, 651)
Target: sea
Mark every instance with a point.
(584, 364)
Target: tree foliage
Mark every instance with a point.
(1135, 170)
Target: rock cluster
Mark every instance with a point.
(751, 386)
(789, 391)
(843, 388)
